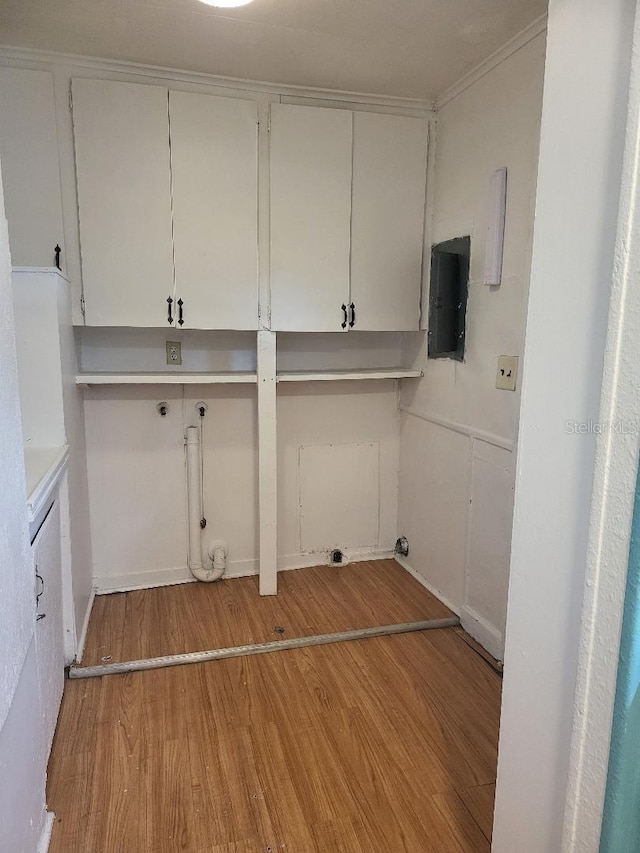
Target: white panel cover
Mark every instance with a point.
(339, 496)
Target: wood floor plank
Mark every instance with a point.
(195, 616)
(339, 836)
(468, 736)
(418, 755)
(279, 790)
(375, 788)
(463, 833)
(380, 744)
(479, 801)
(75, 775)
(461, 747)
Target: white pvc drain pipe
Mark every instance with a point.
(197, 565)
(260, 648)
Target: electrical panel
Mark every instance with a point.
(448, 298)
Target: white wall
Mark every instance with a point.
(23, 765)
(16, 577)
(137, 485)
(30, 156)
(35, 306)
(458, 431)
(77, 482)
(22, 809)
(582, 138)
(338, 413)
(111, 489)
(53, 415)
(136, 473)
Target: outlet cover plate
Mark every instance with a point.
(174, 352)
(507, 372)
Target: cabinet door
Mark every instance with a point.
(30, 171)
(49, 627)
(310, 214)
(214, 170)
(124, 196)
(387, 226)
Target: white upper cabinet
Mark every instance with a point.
(30, 171)
(124, 196)
(168, 209)
(347, 219)
(387, 220)
(214, 170)
(310, 193)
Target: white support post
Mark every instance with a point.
(264, 295)
(267, 467)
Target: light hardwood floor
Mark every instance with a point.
(386, 744)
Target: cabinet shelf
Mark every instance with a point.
(228, 378)
(341, 375)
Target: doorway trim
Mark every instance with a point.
(612, 508)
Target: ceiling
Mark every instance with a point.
(409, 48)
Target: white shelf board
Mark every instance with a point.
(340, 375)
(44, 466)
(42, 271)
(232, 377)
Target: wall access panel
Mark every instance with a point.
(339, 496)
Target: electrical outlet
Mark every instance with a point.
(507, 372)
(174, 352)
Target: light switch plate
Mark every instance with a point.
(507, 372)
(174, 352)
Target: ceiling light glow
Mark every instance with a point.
(226, 4)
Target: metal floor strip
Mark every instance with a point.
(260, 648)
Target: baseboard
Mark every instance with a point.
(128, 581)
(85, 626)
(484, 632)
(45, 835)
(106, 584)
(425, 583)
(321, 558)
(361, 555)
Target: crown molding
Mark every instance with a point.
(515, 44)
(50, 59)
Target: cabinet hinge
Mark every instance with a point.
(82, 307)
(70, 99)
